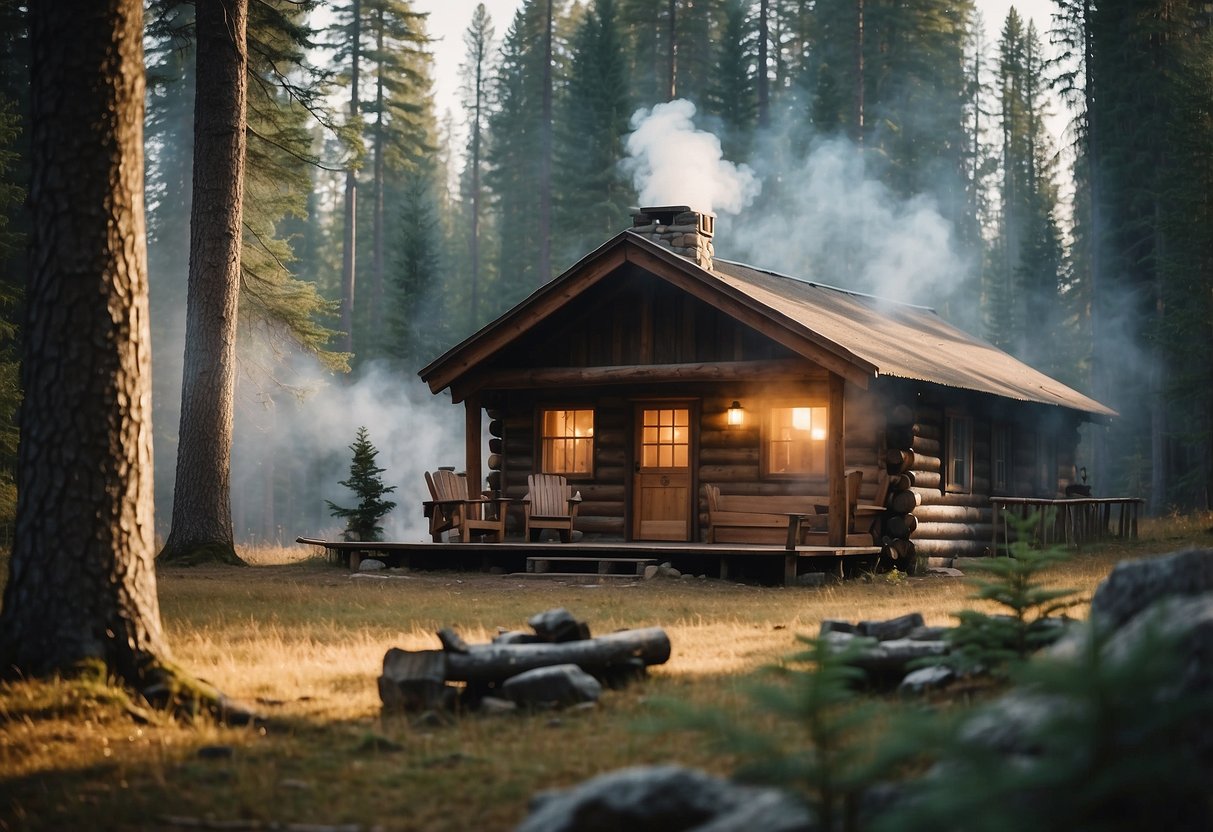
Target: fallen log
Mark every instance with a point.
(489, 663)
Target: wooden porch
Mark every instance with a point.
(611, 559)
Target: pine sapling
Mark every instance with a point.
(362, 521)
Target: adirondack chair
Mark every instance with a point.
(550, 503)
(815, 531)
(453, 507)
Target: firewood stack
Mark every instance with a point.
(899, 521)
(556, 665)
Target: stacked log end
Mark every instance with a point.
(899, 520)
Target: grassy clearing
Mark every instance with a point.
(306, 640)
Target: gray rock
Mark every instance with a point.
(1134, 585)
(929, 633)
(650, 571)
(669, 572)
(925, 678)
(558, 625)
(832, 626)
(944, 572)
(556, 686)
(495, 705)
(665, 799)
(371, 565)
(893, 628)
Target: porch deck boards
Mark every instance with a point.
(749, 560)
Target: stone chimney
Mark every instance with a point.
(680, 229)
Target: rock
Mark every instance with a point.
(925, 678)
(668, 572)
(687, 576)
(811, 579)
(893, 628)
(1134, 585)
(650, 571)
(887, 662)
(495, 705)
(666, 798)
(929, 633)
(832, 626)
(556, 686)
(838, 640)
(944, 572)
(371, 565)
(558, 625)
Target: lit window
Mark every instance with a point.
(666, 438)
(567, 439)
(958, 471)
(796, 440)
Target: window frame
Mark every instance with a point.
(541, 439)
(767, 439)
(950, 483)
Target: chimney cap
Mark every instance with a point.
(670, 209)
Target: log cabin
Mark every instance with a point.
(651, 368)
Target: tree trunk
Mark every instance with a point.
(350, 231)
(202, 514)
(378, 223)
(81, 587)
(545, 156)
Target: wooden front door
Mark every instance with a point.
(661, 487)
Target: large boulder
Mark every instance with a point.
(665, 799)
(547, 687)
(1134, 585)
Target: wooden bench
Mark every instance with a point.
(737, 518)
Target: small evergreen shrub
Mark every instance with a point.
(362, 521)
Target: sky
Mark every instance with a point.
(448, 19)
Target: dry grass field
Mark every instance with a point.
(305, 641)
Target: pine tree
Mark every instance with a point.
(733, 92)
(477, 69)
(592, 194)
(362, 521)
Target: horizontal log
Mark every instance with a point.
(494, 480)
(611, 438)
(952, 548)
(494, 461)
(899, 549)
(610, 474)
(518, 421)
(728, 456)
(930, 447)
(900, 525)
(954, 531)
(774, 489)
(495, 445)
(600, 508)
(732, 438)
(924, 462)
(953, 514)
(488, 663)
(902, 482)
(496, 428)
(728, 473)
(543, 377)
(598, 491)
(904, 502)
(899, 460)
(610, 456)
(935, 497)
(929, 480)
(612, 526)
(857, 457)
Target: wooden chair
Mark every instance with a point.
(815, 531)
(453, 507)
(550, 503)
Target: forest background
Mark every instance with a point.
(883, 146)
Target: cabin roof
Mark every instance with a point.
(868, 335)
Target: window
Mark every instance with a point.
(958, 454)
(567, 441)
(795, 441)
(1000, 446)
(665, 440)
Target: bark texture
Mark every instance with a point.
(202, 513)
(82, 587)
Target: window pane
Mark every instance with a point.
(796, 440)
(567, 441)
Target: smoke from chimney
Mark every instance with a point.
(672, 163)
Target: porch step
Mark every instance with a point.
(603, 564)
(581, 575)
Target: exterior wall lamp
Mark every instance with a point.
(736, 414)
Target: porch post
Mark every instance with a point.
(471, 413)
(836, 463)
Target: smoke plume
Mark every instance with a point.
(672, 163)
